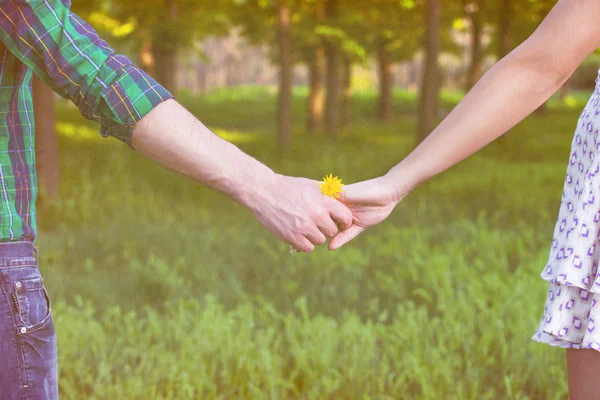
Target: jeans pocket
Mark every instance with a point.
(31, 302)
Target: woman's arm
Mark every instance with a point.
(510, 91)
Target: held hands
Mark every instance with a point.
(370, 202)
(296, 211)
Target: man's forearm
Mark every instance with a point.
(172, 136)
(291, 208)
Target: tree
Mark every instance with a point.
(315, 59)
(346, 90)
(315, 35)
(271, 24)
(285, 81)
(165, 27)
(503, 29)
(332, 53)
(429, 84)
(46, 146)
(392, 32)
(164, 44)
(475, 13)
(319, 36)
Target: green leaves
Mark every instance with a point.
(350, 46)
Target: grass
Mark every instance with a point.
(164, 289)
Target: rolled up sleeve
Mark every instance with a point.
(69, 56)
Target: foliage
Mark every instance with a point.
(164, 289)
(585, 75)
(257, 20)
(396, 26)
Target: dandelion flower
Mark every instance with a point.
(331, 186)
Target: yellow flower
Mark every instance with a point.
(331, 186)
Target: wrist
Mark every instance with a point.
(401, 180)
(254, 195)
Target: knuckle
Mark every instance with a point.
(319, 214)
(297, 241)
(348, 219)
(306, 227)
(331, 232)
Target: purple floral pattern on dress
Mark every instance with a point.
(571, 309)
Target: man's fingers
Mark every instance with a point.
(328, 226)
(303, 244)
(316, 237)
(340, 214)
(345, 236)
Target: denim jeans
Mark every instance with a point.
(28, 354)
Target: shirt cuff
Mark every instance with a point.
(132, 95)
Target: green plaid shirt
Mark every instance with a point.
(44, 37)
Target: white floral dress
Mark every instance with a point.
(571, 316)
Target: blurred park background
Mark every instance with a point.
(163, 289)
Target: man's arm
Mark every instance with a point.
(294, 209)
(69, 56)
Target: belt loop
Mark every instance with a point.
(36, 252)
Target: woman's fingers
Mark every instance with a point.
(340, 213)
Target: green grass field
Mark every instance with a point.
(164, 289)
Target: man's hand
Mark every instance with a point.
(370, 202)
(296, 211)
(293, 209)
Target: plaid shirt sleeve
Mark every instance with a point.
(69, 56)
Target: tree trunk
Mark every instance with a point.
(284, 111)
(504, 26)
(347, 84)
(564, 91)
(201, 76)
(145, 54)
(542, 110)
(316, 95)
(166, 67)
(332, 104)
(385, 84)
(46, 146)
(429, 83)
(165, 52)
(475, 63)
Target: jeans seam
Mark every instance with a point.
(17, 265)
(24, 377)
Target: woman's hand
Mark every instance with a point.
(371, 202)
